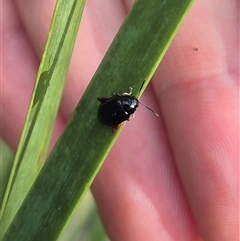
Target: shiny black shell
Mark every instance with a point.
(116, 109)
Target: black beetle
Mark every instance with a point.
(114, 110)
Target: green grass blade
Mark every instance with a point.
(85, 224)
(33, 146)
(133, 56)
(6, 161)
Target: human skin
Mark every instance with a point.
(169, 178)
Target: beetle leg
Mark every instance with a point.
(130, 91)
(115, 127)
(130, 117)
(103, 99)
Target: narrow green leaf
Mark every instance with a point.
(133, 56)
(33, 146)
(6, 161)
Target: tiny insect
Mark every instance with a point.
(115, 110)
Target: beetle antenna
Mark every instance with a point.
(149, 109)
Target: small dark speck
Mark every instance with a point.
(195, 49)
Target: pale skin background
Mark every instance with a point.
(177, 178)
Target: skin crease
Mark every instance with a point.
(169, 178)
